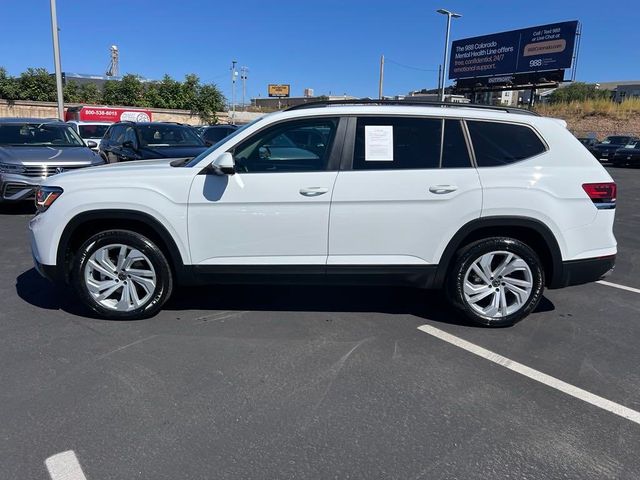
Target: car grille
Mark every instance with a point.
(48, 170)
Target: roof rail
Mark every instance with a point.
(369, 101)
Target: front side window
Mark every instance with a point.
(384, 143)
(295, 146)
(117, 134)
(497, 144)
(130, 136)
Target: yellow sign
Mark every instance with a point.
(281, 90)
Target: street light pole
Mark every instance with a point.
(234, 74)
(56, 59)
(446, 48)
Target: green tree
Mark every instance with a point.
(8, 85)
(128, 91)
(166, 93)
(578, 91)
(208, 101)
(71, 92)
(89, 93)
(37, 84)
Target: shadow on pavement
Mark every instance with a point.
(41, 293)
(17, 208)
(430, 305)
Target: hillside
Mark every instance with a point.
(601, 117)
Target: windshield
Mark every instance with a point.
(93, 131)
(616, 140)
(159, 135)
(197, 159)
(34, 134)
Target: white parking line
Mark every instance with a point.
(543, 378)
(64, 466)
(617, 285)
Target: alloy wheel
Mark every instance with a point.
(498, 284)
(120, 277)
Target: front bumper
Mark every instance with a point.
(50, 272)
(578, 272)
(14, 187)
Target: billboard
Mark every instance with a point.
(107, 114)
(280, 90)
(547, 47)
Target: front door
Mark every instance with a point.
(275, 209)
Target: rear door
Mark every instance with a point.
(410, 186)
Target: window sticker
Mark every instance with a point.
(378, 143)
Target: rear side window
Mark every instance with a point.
(384, 143)
(497, 144)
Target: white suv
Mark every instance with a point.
(490, 204)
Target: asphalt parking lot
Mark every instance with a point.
(310, 382)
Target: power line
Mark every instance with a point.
(411, 67)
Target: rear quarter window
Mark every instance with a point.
(497, 144)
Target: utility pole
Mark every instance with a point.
(380, 95)
(446, 47)
(244, 74)
(439, 77)
(56, 59)
(234, 74)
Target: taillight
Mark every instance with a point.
(603, 195)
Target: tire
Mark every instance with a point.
(121, 275)
(489, 299)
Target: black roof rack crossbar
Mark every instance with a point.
(369, 101)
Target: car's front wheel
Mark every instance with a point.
(496, 281)
(122, 275)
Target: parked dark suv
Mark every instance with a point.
(215, 133)
(126, 141)
(605, 149)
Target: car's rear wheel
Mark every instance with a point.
(120, 274)
(496, 281)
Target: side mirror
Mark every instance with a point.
(224, 165)
(128, 144)
(92, 144)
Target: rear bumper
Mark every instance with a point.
(577, 272)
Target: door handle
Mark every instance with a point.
(440, 189)
(313, 191)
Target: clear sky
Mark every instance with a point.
(332, 46)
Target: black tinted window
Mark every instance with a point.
(296, 146)
(397, 143)
(93, 131)
(498, 144)
(168, 135)
(455, 153)
(117, 133)
(214, 135)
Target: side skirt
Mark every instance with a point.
(421, 276)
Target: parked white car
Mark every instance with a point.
(489, 204)
(90, 131)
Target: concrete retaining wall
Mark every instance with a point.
(20, 108)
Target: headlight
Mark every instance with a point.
(11, 168)
(45, 196)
